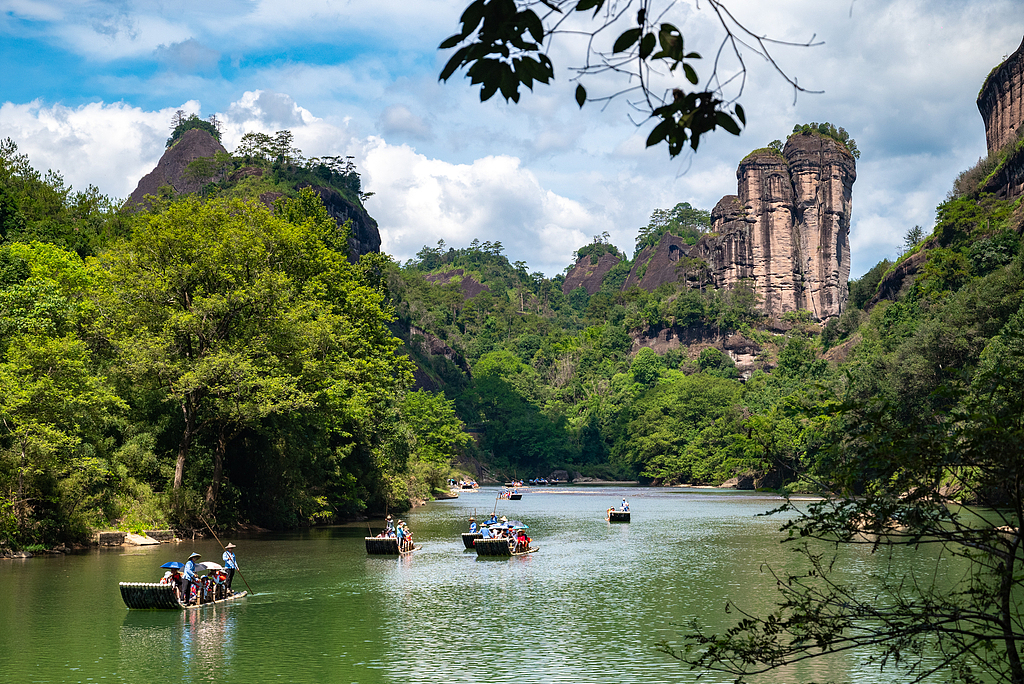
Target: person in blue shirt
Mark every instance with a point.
(472, 525)
(486, 532)
(492, 521)
(188, 578)
(230, 563)
(625, 505)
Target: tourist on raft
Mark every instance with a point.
(472, 525)
(189, 572)
(230, 563)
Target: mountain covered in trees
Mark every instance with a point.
(231, 344)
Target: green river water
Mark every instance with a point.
(589, 606)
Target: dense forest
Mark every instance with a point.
(211, 356)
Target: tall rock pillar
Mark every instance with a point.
(823, 177)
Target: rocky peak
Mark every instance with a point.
(170, 170)
(589, 274)
(196, 143)
(786, 231)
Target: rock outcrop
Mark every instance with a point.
(1001, 102)
(170, 170)
(786, 232)
(589, 275)
(195, 144)
(365, 237)
(468, 284)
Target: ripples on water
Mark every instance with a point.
(588, 607)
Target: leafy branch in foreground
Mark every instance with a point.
(952, 488)
(505, 43)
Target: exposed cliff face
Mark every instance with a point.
(468, 284)
(666, 262)
(170, 169)
(1001, 101)
(589, 275)
(194, 144)
(365, 237)
(786, 231)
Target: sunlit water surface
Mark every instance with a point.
(590, 606)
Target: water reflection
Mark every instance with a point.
(197, 645)
(589, 606)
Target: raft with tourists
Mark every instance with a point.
(156, 596)
(199, 591)
(395, 540)
(503, 540)
(618, 515)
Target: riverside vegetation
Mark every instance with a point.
(213, 356)
(166, 362)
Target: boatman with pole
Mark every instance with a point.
(230, 563)
(189, 573)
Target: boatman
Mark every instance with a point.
(389, 528)
(189, 572)
(230, 563)
(472, 525)
(625, 505)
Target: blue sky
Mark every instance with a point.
(89, 88)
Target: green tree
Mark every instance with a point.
(681, 220)
(236, 315)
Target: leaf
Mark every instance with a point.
(659, 133)
(726, 122)
(534, 25)
(647, 45)
(626, 40)
(581, 95)
(584, 5)
(741, 115)
(690, 74)
(451, 41)
(454, 63)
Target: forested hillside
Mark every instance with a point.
(625, 383)
(210, 356)
(222, 353)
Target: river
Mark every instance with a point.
(589, 606)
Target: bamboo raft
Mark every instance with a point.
(155, 596)
(469, 537)
(386, 546)
(618, 516)
(499, 548)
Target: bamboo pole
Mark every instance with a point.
(238, 570)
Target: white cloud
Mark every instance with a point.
(399, 119)
(188, 56)
(420, 200)
(110, 146)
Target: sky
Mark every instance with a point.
(88, 88)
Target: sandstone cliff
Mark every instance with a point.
(194, 144)
(786, 231)
(171, 167)
(1001, 101)
(589, 275)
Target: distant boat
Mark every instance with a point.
(156, 596)
(617, 516)
(388, 546)
(500, 547)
